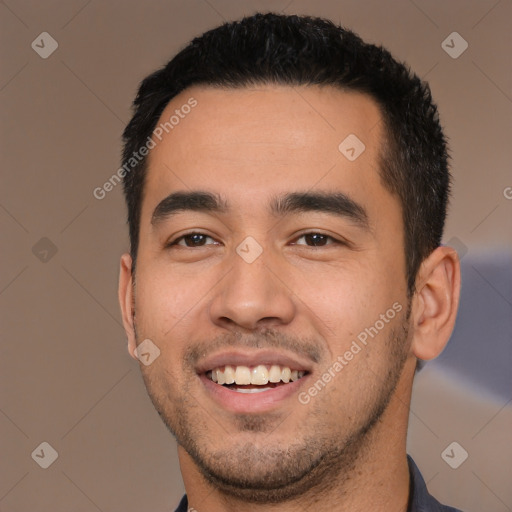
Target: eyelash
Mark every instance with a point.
(333, 241)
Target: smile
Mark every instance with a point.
(253, 379)
(244, 381)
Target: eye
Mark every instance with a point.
(316, 240)
(192, 240)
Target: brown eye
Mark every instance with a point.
(316, 240)
(192, 240)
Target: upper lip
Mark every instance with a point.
(253, 358)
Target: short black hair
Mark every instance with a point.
(301, 50)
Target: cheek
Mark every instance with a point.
(167, 299)
(343, 301)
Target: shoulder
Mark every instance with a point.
(183, 506)
(420, 499)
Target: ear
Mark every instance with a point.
(435, 302)
(126, 301)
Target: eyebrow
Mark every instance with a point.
(197, 201)
(336, 203)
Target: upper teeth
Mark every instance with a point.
(258, 375)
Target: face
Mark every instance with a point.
(271, 277)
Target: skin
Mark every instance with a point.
(346, 447)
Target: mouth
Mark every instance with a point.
(248, 382)
(253, 379)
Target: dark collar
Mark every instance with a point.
(419, 498)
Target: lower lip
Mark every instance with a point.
(245, 403)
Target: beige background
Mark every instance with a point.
(66, 376)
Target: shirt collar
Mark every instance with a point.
(420, 499)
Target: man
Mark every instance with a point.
(287, 188)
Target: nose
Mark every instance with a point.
(253, 296)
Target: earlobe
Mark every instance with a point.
(126, 301)
(435, 302)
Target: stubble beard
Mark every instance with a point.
(278, 473)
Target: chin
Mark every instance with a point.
(270, 475)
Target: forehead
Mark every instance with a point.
(266, 140)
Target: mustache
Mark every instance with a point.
(265, 339)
